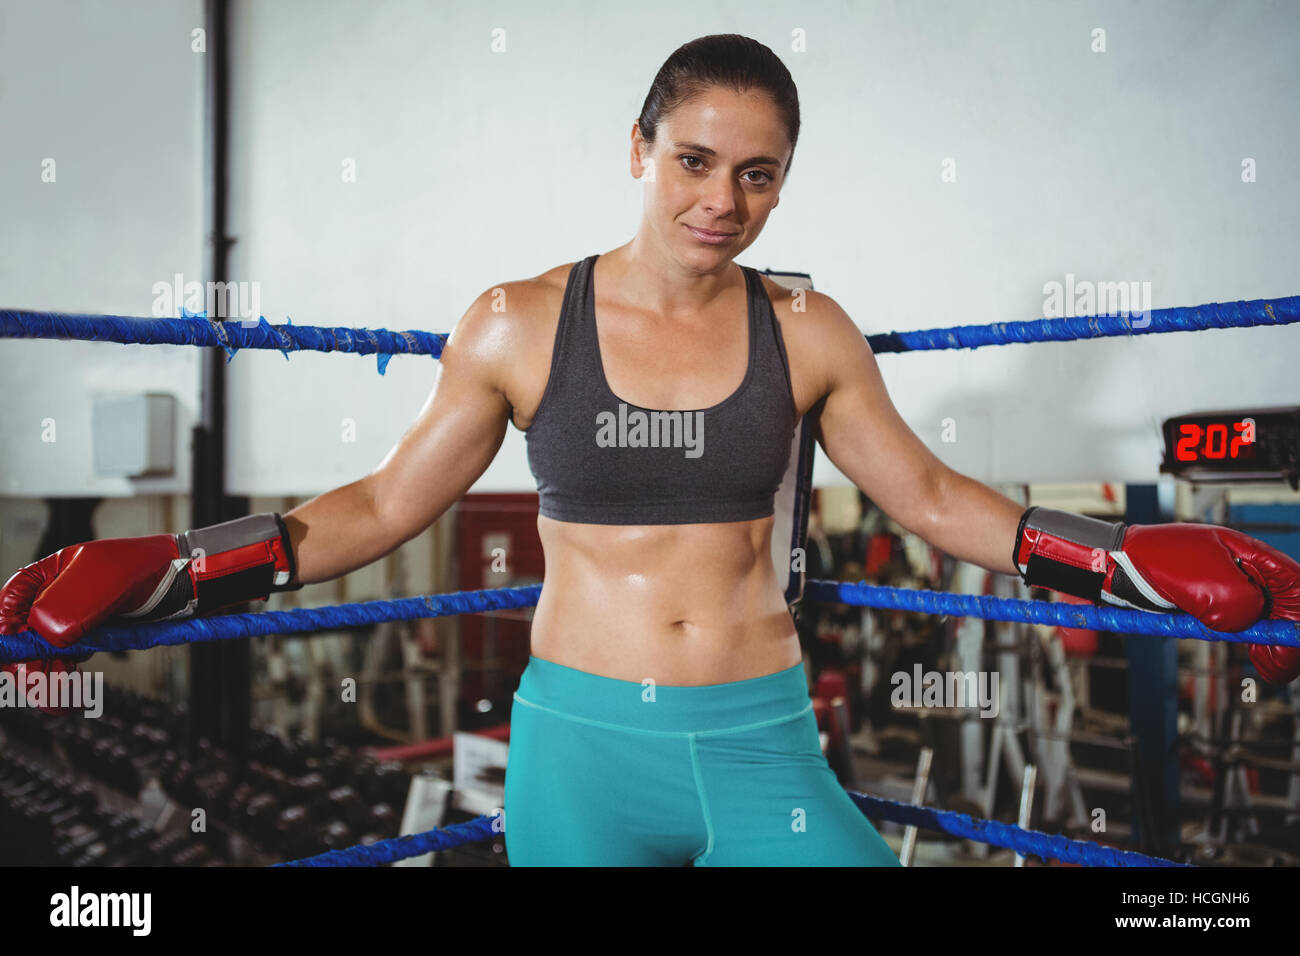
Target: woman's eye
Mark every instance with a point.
(695, 164)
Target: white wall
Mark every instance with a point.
(475, 167)
(113, 94)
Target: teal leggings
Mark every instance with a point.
(607, 772)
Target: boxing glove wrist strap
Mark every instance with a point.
(224, 564)
(1085, 557)
(1064, 551)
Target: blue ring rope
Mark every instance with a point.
(1005, 835)
(27, 645)
(403, 847)
(1212, 315)
(195, 329)
(1283, 633)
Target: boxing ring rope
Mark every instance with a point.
(1090, 617)
(404, 847)
(193, 328)
(1004, 835)
(137, 637)
(29, 646)
(196, 329)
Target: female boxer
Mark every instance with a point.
(664, 717)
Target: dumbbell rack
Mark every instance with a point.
(117, 791)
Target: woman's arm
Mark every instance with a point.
(867, 439)
(452, 441)
(1225, 579)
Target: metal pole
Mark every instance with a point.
(919, 786)
(1026, 803)
(1153, 710)
(220, 671)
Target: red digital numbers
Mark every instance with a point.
(1211, 441)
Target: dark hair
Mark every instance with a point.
(723, 59)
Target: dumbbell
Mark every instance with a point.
(335, 835)
(160, 850)
(346, 804)
(312, 791)
(213, 789)
(194, 855)
(239, 797)
(95, 855)
(259, 818)
(72, 842)
(179, 781)
(339, 766)
(134, 849)
(295, 832)
(383, 820)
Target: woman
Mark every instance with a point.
(664, 716)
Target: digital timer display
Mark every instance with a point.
(1252, 445)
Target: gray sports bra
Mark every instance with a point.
(600, 460)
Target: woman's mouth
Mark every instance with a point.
(710, 237)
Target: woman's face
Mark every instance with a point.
(712, 176)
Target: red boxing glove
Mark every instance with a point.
(1223, 578)
(68, 594)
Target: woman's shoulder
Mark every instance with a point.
(550, 285)
(540, 296)
(806, 311)
(520, 308)
(507, 334)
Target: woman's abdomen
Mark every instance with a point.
(677, 604)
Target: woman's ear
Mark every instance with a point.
(637, 151)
